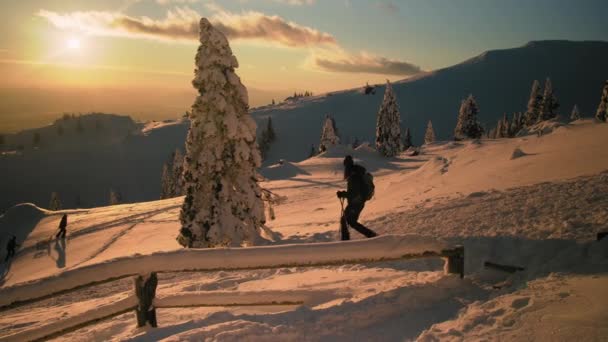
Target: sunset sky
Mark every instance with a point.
(136, 56)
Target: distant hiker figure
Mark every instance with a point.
(360, 188)
(10, 248)
(62, 227)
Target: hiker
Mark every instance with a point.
(10, 248)
(358, 191)
(62, 227)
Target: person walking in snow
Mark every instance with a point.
(62, 227)
(10, 248)
(357, 192)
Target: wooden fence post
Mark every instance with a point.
(455, 262)
(145, 290)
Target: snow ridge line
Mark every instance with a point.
(388, 247)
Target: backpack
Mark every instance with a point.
(367, 190)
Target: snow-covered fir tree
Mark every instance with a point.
(467, 126)
(506, 126)
(115, 197)
(223, 204)
(55, 203)
(429, 134)
(171, 179)
(388, 124)
(166, 181)
(329, 134)
(549, 104)
(534, 103)
(498, 130)
(407, 139)
(602, 109)
(267, 137)
(575, 114)
(515, 124)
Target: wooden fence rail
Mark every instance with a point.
(144, 301)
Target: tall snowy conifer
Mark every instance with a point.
(602, 110)
(407, 140)
(223, 204)
(575, 115)
(467, 126)
(549, 104)
(506, 127)
(166, 181)
(429, 135)
(498, 131)
(177, 173)
(329, 134)
(388, 125)
(534, 103)
(515, 124)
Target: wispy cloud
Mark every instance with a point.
(169, 2)
(182, 24)
(366, 63)
(388, 6)
(296, 2)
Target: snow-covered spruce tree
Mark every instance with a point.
(467, 126)
(549, 104)
(534, 103)
(575, 114)
(429, 135)
(177, 173)
(388, 124)
(515, 124)
(329, 134)
(602, 109)
(498, 130)
(506, 126)
(166, 180)
(270, 134)
(407, 140)
(115, 197)
(223, 204)
(55, 203)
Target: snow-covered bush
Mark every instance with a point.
(388, 125)
(223, 205)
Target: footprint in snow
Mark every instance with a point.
(520, 303)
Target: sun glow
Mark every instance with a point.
(73, 43)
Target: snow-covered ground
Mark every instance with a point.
(540, 210)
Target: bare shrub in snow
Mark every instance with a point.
(388, 124)
(223, 205)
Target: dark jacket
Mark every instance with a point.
(64, 222)
(354, 187)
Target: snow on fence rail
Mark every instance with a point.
(389, 247)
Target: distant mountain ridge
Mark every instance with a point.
(500, 80)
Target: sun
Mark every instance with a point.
(73, 43)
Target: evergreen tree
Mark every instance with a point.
(506, 127)
(498, 130)
(407, 140)
(115, 197)
(177, 171)
(575, 115)
(534, 104)
(429, 135)
(549, 104)
(223, 205)
(467, 126)
(388, 125)
(515, 124)
(270, 134)
(602, 109)
(166, 181)
(55, 203)
(329, 134)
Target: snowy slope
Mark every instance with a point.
(540, 211)
(500, 80)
